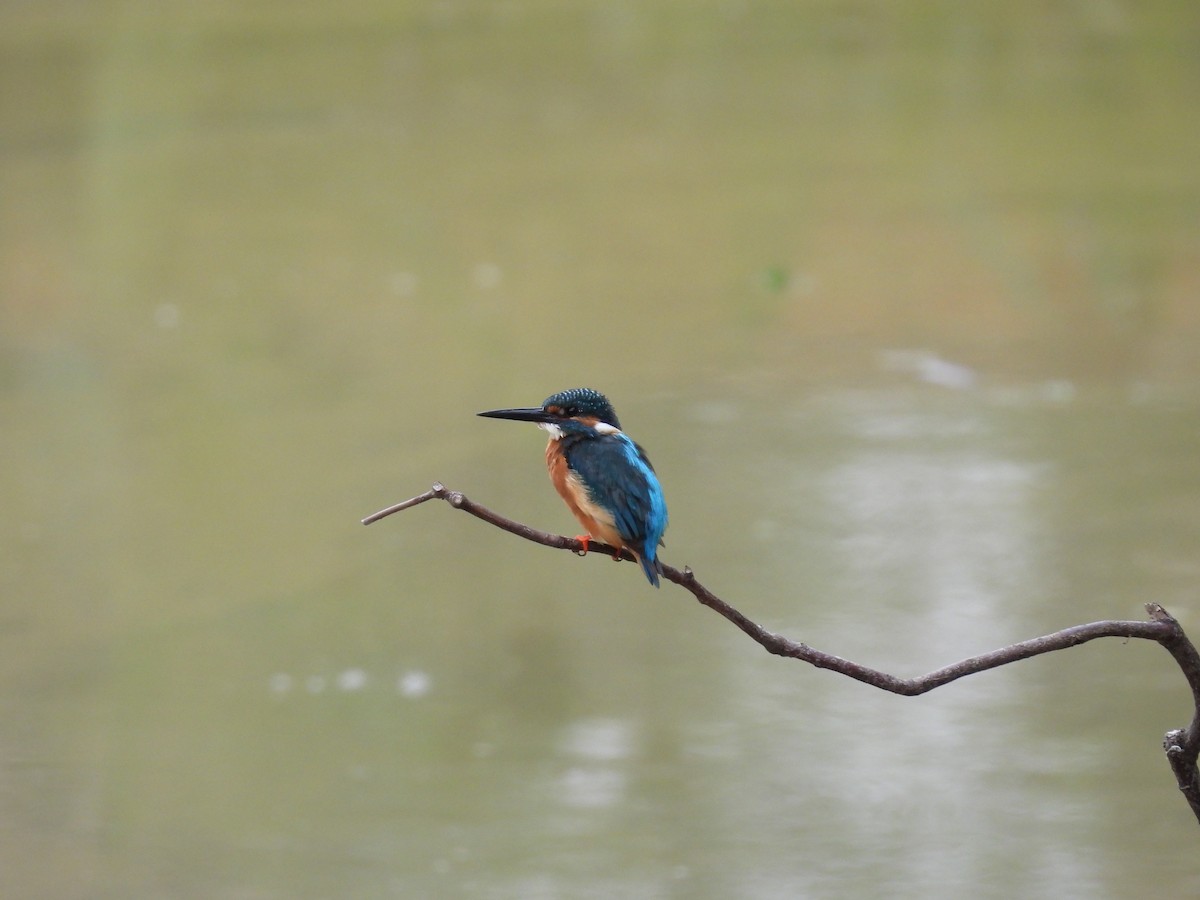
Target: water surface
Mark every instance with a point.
(901, 302)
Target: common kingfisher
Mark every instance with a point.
(602, 475)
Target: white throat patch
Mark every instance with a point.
(551, 429)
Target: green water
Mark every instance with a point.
(901, 300)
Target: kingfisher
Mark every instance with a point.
(604, 477)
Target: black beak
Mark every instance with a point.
(534, 414)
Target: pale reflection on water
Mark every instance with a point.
(936, 516)
(925, 511)
(596, 749)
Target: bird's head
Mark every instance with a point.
(575, 410)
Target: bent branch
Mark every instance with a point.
(1182, 745)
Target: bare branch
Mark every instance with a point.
(436, 491)
(1182, 745)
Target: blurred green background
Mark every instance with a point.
(902, 300)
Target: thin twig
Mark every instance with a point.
(436, 491)
(1182, 745)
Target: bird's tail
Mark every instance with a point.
(651, 566)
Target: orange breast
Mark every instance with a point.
(595, 519)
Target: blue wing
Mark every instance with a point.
(619, 478)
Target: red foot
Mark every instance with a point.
(584, 539)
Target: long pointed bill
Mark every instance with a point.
(536, 414)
